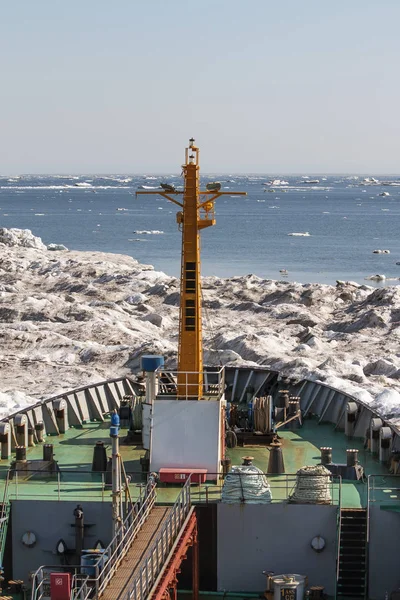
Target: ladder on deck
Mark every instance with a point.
(352, 553)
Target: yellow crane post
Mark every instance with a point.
(196, 212)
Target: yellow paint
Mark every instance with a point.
(197, 213)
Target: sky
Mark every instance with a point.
(264, 86)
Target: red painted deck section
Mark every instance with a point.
(174, 475)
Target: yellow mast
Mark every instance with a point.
(197, 212)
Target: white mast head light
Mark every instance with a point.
(191, 159)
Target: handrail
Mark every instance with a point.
(154, 559)
(41, 578)
(84, 591)
(110, 559)
(373, 489)
(5, 511)
(122, 541)
(367, 540)
(339, 525)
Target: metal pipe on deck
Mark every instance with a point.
(79, 530)
(116, 474)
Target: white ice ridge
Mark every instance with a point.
(148, 231)
(69, 318)
(300, 234)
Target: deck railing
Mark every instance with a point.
(4, 516)
(41, 580)
(80, 588)
(89, 486)
(383, 489)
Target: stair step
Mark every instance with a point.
(355, 514)
(352, 554)
(355, 521)
(352, 542)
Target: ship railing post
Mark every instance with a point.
(176, 528)
(102, 487)
(16, 484)
(58, 486)
(97, 580)
(147, 576)
(368, 508)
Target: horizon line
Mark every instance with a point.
(208, 173)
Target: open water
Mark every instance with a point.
(346, 217)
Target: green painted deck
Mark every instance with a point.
(75, 482)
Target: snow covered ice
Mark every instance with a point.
(68, 319)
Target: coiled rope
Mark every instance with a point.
(261, 414)
(312, 486)
(246, 484)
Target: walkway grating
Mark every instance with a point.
(126, 572)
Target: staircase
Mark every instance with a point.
(352, 554)
(138, 555)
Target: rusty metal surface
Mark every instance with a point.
(168, 577)
(119, 585)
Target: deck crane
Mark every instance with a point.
(196, 212)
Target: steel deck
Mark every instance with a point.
(74, 452)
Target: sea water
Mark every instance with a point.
(346, 218)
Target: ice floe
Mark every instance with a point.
(68, 319)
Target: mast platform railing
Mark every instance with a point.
(212, 389)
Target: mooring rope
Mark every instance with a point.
(246, 484)
(312, 486)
